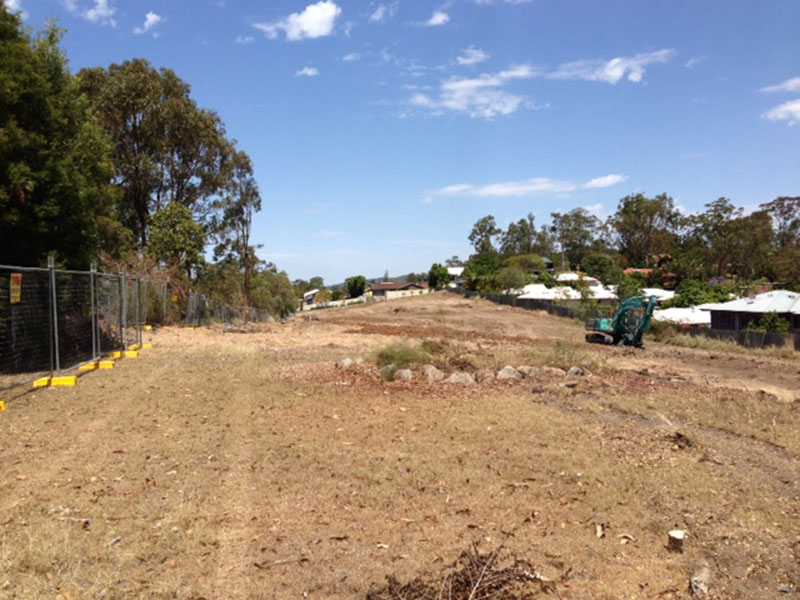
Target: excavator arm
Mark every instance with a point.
(631, 321)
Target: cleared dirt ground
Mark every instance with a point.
(248, 465)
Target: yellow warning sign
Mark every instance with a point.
(16, 288)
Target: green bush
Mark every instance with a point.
(400, 354)
(771, 322)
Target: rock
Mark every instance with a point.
(554, 371)
(575, 372)
(404, 375)
(509, 373)
(700, 581)
(432, 373)
(569, 384)
(529, 371)
(358, 361)
(388, 372)
(345, 364)
(462, 378)
(484, 376)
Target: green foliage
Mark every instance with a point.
(577, 233)
(438, 277)
(401, 354)
(483, 233)
(547, 279)
(322, 296)
(630, 286)
(646, 226)
(603, 267)
(772, 322)
(528, 263)
(509, 278)
(54, 157)
(692, 292)
(336, 294)
(480, 269)
(175, 238)
(355, 286)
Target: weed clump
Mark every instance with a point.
(565, 356)
(400, 354)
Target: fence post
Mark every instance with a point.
(164, 304)
(93, 295)
(139, 310)
(122, 310)
(51, 265)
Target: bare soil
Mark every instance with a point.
(249, 465)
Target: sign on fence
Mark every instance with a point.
(16, 288)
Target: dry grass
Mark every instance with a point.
(226, 465)
(706, 343)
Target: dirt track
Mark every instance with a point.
(230, 465)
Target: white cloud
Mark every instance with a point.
(151, 19)
(316, 20)
(101, 13)
(350, 57)
(788, 111)
(790, 85)
(472, 56)
(307, 72)
(508, 189)
(518, 189)
(384, 12)
(604, 182)
(612, 71)
(438, 18)
(244, 39)
(694, 61)
(479, 97)
(15, 6)
(598, 210)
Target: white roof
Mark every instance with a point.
(601, 292)
(539, 291)
(572, 276)
(311, 293)
(779, 301)
(455, 271)
(694, 315)
(661, 295)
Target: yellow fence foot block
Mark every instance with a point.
(148, 328)
(133, 348)
(2, 407)
(148, 347)
(40, 383)
(132, 354)
(115, 355)
(88, 367)
(106, 364)
(66, 381)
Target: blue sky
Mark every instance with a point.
(381, 131)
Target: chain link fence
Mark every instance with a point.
(54, 320)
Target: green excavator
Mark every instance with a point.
(628, 325)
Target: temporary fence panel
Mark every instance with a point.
(26, 342)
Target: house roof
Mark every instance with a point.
(779, 301)
(539, 291)
(401, 285)
(693, 315)
(455, 271)
(661, 295)
(310, 293)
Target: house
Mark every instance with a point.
(455, 276)
(738, 314)
(389, 290)
(308, 298)
(597, 291)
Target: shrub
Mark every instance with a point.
(771, 322)
(400, 354)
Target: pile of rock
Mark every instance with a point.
(433, 375)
